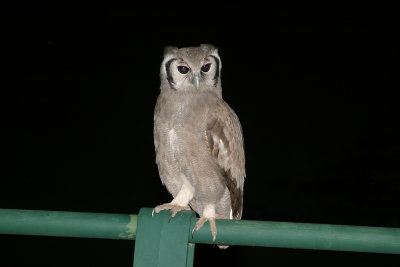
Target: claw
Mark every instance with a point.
(193, 231)
(172, 215)
(213, 228)
(173, 212)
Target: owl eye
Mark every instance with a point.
(183, 69)
(206, 67)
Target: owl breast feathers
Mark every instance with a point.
(198, 137)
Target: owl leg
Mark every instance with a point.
(209, 210)
(180, 202)
(208, 215)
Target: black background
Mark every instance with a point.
(314, 87)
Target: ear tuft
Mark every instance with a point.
(170, 50)
(210, 47)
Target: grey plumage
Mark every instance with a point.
(198, 137)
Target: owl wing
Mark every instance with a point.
(159, 148)
(225, 140)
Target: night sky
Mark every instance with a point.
(315, 88)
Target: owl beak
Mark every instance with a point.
(196, 80)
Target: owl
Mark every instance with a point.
(198, 138)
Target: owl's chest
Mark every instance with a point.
(189, 113)
(181, 123)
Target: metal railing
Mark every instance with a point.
(162, 241)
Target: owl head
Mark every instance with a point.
(191, 69)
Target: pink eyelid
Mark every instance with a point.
(183, 63)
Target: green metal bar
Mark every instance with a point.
(190, 255)
(302, 235)
(68, 224)
(162, 241)
(247, 233)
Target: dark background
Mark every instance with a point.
(314, 88)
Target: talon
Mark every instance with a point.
(213, 228)
(193, 231)
(173, 213)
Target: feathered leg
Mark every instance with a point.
(180, 202)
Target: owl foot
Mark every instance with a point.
(168, 206)
(213, 227)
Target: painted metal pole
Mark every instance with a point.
(68, 224)
(298, 235)
(247, 233)
(302, 235)
(162, 241)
